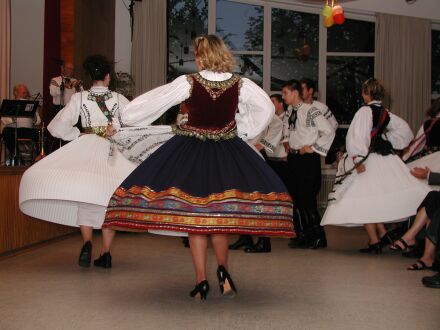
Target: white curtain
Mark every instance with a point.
(148, 53)
(403, 63)
(5, 47)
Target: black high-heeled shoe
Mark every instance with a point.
(200, 291)
(372, 248)
(227, 286)
(85, 256)
(104, 261)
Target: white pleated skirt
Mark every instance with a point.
(81, 176)
(385, 192)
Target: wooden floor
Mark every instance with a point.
(335, 288)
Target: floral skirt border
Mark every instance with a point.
(229, 212)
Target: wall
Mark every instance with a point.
(27, 36)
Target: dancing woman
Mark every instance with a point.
(205, 180)
(373, 186)
(72, 185)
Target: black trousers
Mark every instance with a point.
(22, 133)
(305, 182)
(305, 179)
(431, 203)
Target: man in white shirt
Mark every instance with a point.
(25, 126)
(64, 86)
(308, 90)
(307, 136)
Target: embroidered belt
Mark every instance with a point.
(98, 130)
(225, 133)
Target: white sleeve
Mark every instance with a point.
(146, 108)
(273, 135)
(398, 132)
(255, 110)
(62, 126)
(122, 104)
(325, 131)
(358, 135)
(54, 88)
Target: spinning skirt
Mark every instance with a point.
(77, 179)
(202, 187)
(385, 192)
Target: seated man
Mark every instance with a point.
(428, 215)
(25, 126)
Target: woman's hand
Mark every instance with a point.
(110, 131)
(360, 168)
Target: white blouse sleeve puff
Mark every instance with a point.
(255, 108)
(358, 136)
(62, 125)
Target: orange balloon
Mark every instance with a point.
(328, 21)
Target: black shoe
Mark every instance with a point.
(299, 242)
(243, 241)
(185, 242)
(227, 287)
(262, 246)
(432, 281)
(104, 260)
(372, 248)
(386, 240)
(85, 257)
(319, 239)
(200, 291)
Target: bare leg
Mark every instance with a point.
(381, 231)
(107, 238)
(86, 233)
(372, 233)
(220, 245)
(419, 223)
(198, 245)
(428, 255)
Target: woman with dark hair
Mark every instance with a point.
(72, 185)
(373, 186)
(206, 180)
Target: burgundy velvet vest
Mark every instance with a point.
(212, 104)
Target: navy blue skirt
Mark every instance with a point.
(203, 186)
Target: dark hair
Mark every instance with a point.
(293, 85)
(278, 97)
(309, 83)
(97, 66)
(374, 88)
(434, 109)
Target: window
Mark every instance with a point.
(241, 27)
(294, 48)
(350, 61)
(274, 42)
(186, 20)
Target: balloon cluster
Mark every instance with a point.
(333, 15)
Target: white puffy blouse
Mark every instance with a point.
(255, 109)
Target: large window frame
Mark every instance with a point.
(267, 37)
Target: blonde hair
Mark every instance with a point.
(213, 54)
(374, 88)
